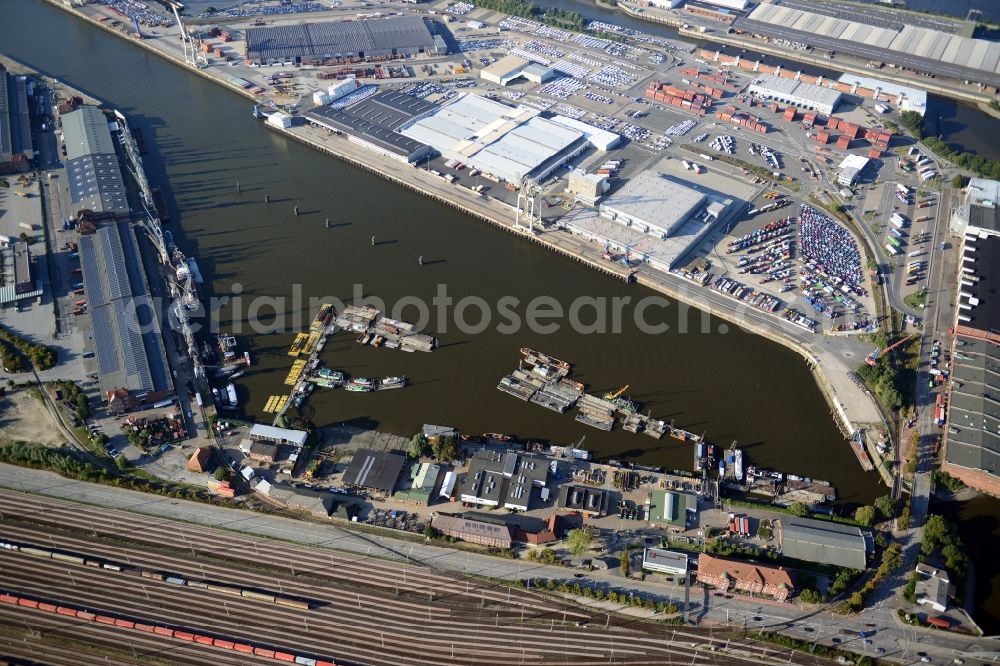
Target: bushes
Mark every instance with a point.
(910, 591)
(940, 537)
(865, 515)
(809, 596)
(891, 559)
(943, 478)
(912, 121)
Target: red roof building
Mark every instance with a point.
(745, 577)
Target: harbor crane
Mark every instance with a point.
(527, 193)
(873, 358)
(616, 394)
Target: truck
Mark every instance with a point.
(891, 250)
(699, 168)
(708, 158)
(687, 165)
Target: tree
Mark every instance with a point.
(548, 556)
(865, 515)
(221, 473)
(809, 596)
(958, 181)
(903, 522)
(798, 509)
(82, 407)
(912, 121)
(417, 446)
(886, 506)
(121, 463)
(578, 541)
(623, 562)
(24, 238)
(445, 449)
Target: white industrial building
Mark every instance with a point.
(587, 187)
(666, 4)
(657, 218)
(738, 5)
(508, 69)
(504, 142)
(279, 120)
(598, 138)
(797, 93)
(904, 97)
(653, 205)
(850, 169)
(664, 561)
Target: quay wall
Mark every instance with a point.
(556, 241)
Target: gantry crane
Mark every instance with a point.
(616, 394)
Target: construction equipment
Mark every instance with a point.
(616, 394)
(873, 358)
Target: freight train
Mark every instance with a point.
(148, 626)
(233, 590)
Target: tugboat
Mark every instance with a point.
(391, 383)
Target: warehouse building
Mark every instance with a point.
(375, 470)
(265, 433)
(500, 479)
(24, 270)
(972, 430)
(822, 541)
(795, 93)
(668, 507)
(599, 138)
(505, 143)
(474, 531)
(851, 169)
(126, 334)
(16, 145)
(510, 68)
(95, 178)
(665, 562)
(899, 44)
(393, 36)
(374, 123)
(979, 213)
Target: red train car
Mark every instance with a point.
(163, 631)
(46, 606)
(184, 635)
(263, 652)
(9, 598)
(243, 647)
(284, 656)
(222, 643)
(127, 624)
(145, 627)
(62, 610)
(204, 640)
(86, 615)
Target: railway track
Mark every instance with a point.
(367, 610)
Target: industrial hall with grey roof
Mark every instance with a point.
(95, 178)
(393, 36)
(127, 339)
(823, 541)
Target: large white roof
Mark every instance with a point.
(508, 142)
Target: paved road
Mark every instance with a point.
(890, 636)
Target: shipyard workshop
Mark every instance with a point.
(396, 36)
(796, 93)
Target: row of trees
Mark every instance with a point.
(978, 164)
(892, 557)
(552, 16)
(614, 596)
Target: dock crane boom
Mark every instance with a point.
(617, 394)
(873, 358)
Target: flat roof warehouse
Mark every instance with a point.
(396, 35)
